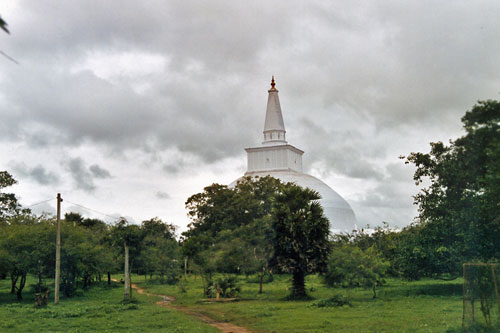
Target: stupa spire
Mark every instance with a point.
(274, 127)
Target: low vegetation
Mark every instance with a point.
(99, 309)
(401, 306)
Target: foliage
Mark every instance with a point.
(301, 233)
(8, 202)
(459, 212)
(227, 286)
(231, 229)
(28, 245)
(337, 300)
(481, 285)
(349, 266)
(3, 25)
(384, 240)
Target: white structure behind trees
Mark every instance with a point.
(276, 158)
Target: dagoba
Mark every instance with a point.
(276, 158)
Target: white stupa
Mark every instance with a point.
(276, 158)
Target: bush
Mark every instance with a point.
(227, 287)
(335, 301)
(349, 266)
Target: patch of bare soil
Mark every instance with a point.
(166, 302)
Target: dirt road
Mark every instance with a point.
(166, 302)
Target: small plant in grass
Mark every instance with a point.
(182, 286)
(335, 301)
(227, 287)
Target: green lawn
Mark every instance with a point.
(423, 306)
(98, 309)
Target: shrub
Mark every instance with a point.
(335, 301)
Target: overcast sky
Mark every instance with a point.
(130, 107)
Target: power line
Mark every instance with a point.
(38, 203)
(9, 57)
(93, 210)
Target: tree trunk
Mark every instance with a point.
(298, 285)
(13, 279)
(109, 278)
(374, 292)
(21, 286)
(130, 284)
(261, 281)
(126, 291)
(39, 286)
(185, 268)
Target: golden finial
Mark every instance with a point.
(273, 83)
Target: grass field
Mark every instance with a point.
(423, 306)
(98, 309)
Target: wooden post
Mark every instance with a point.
(58, 250)
(496, 288)
(126, 293)
(464, 292)
(185, 267)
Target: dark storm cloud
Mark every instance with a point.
(37, 173)
(99, 172)
(84, 177)
(367, 58)
(360, 82)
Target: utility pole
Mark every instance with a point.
(58, 250)
(126, 294)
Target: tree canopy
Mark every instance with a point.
(459, 212)
(9, 205)
(301, 231)
(259, 224)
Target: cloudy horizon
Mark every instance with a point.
(130, 108)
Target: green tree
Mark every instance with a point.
(130, 237)
(8, 201)
(301, 231)
(230, 229)
(459, 212)
(160, 253)
(29, 248)
(349, 266)
(3, 25)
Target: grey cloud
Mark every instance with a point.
(84, 177)
(388, 201)
(171, 168)
(338, 152)
(81, 176)
(99, 172)
(38, 173)
(360, 83)
(162, 195)
(362, 57)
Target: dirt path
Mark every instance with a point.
(166, 300)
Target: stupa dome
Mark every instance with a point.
(278, 159)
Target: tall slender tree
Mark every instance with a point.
(301, 233)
